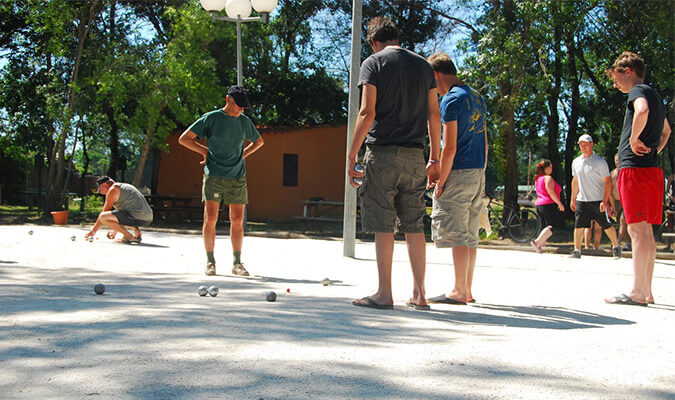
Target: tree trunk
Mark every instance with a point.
(114, 142)
(573, 118)
(57, 162)
(508, 92)
(147, 145)
(84, 191)
(553, 120)
(509, 133)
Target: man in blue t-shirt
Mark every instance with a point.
(226, 132)
(458, 195)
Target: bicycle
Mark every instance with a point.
(663, 232)
(521, 225)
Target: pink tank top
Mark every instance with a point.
(542, 194)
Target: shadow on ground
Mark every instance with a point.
(153, 337)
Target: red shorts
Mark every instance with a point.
(641, 191)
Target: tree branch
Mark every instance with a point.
(590, 74)
(442, 14)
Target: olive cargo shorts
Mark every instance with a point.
(393, 186)
(230, 191)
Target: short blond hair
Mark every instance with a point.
(628, 59)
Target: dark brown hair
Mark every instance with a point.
(381, 29)
(541, 167)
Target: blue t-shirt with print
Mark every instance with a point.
(467, 107)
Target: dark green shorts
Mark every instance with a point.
(230, 191)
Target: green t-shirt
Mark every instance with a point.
(225, 137)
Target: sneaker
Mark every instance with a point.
(616, 252)
(210, 269)
(576, 254)
(239, 269)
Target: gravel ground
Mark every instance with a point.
(540, 328)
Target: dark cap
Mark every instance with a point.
(100, 181)
(240, 96)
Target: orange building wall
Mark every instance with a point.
(321, 159)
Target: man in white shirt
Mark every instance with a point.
(591, 195)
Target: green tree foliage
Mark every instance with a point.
(82, 71)
(546, 61)
(120, 76)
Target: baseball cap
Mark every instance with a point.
(240, 95)
(585, 138)
(100, 181)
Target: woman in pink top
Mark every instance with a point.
(548, 202)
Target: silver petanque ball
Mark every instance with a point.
(271, 296)
(90, 239)
(213, 291)
(358, 168)
(202, 290)
(30, 232)
(99, 288)
(325, 281)
(72, 238)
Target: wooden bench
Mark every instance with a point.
(321, 211)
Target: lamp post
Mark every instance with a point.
(349, 220)
(238, 11)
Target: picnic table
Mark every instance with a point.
(175, 208)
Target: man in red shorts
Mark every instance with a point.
(645, 133)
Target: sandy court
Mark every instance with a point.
(539, 329)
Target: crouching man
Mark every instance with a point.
(130, 209)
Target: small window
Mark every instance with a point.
(290, 170)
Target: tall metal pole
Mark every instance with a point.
(240, 82)
(240, 78)
(349, 219)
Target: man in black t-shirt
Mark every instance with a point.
(645, 133)
(398, 99)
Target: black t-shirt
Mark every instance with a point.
(650, 136)
(403, 80)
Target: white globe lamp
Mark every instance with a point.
(238, 8)
(264, 6)
(212, 5)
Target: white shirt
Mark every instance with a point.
(591, 172)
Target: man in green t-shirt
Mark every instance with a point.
(226, 132)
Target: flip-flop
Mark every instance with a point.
(446, 300)
(471, 301)
(624, 300)
(370, 303)
(417, 306)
